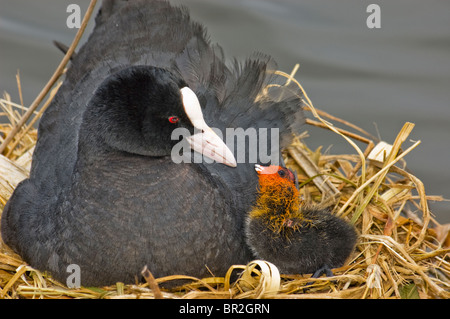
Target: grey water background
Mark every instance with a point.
(377, 79)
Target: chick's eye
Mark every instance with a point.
(174, 119)
(282, 173)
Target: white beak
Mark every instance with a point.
(207, 142)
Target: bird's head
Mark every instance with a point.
(274, 174)
(137, 109)
(278, 198)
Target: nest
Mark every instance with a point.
(402, 251)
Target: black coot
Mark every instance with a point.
(105, 192)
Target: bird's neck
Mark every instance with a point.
(278, 201)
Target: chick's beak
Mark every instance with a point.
(263, 170)
(207, 142)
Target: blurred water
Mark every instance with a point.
(385, 76)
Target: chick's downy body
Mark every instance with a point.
(297, 238)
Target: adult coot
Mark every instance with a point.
(296, 237)
(105, 191)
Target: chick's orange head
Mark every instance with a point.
(278, 198)
(276, 186)
(274, 174)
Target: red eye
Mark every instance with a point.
(173, 119)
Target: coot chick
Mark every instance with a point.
(105, 192)
(297, 238)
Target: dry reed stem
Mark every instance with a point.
(152, 283)
(37, 116)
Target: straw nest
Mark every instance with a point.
(402, 251)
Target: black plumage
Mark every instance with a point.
(298, 238)
(104, 192)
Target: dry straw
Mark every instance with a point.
(402, 251)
